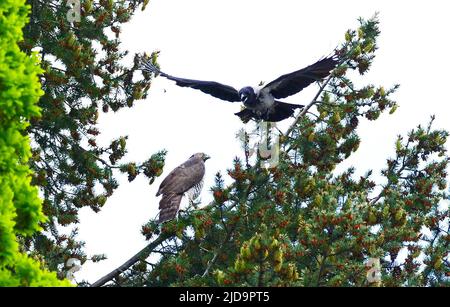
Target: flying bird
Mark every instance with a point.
(260, 103)
(188, 177)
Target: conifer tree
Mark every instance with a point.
(84, 75)
(20, 206)
(299, 223)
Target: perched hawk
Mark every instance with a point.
(188, 177)
(260, 102)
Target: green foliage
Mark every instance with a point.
(83, 76)
(20, 206)
(301, 223)
(262, 261)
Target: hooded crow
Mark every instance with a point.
(260, 103)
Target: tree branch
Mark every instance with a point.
(306, 108)
(144, 253)
(213, 260)
(261, 273)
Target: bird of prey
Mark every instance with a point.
(188, 177)
(260, 102)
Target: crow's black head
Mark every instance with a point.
(247, 95)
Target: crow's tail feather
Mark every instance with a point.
(285, 105)
(281, 111)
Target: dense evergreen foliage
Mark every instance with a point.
(83, 75)
(20, 206)
(297, 223)
(300, 223)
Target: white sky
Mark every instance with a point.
(241, 43)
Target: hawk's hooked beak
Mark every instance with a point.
(206, 157)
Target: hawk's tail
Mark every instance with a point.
(168, 207)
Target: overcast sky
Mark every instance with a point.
(242, 43)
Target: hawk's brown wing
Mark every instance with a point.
(182, 178)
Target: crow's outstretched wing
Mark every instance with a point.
(292, 83)
(216, 89)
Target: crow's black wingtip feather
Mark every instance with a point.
(333, 59)
(148, 66)
(330, 62)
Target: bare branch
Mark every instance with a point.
(309, 106)
(141, 255)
